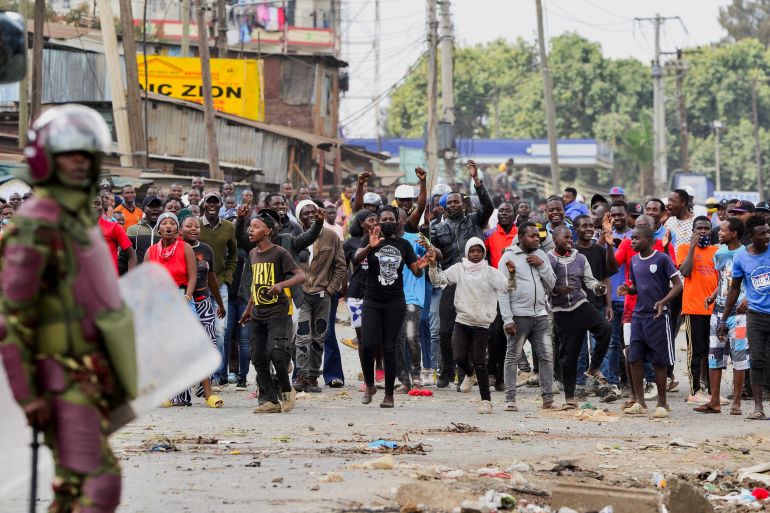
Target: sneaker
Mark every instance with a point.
(607, 395)
(625, 391)
(511, 407)
(311, 386)
(223, 382)
(672, 385)
(416, 380)
(698, 398)
(288, 401)
(379, 376)
(232, 377)
(428, 378)
(241, 384)
(581, 392)
(660, 413)
(557, 387)
(485, 407)
(349, 342)
(467, 385)
(301, 384)
(533, 381)
(268, 407)
(442, 382)
(650, 391)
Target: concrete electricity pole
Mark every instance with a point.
(208, 101)
(432, 146)
(115, 77)
(185, 28)
(717, 126)
(757, 144)
(221, 25)
(659, 114)
(376, 47)
(550, 111)
(447, 84)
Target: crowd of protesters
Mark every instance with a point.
(598, 289)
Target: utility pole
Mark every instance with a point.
(376, 92)
(24, 86)
(208, 101)
(682, 110)
(550, 111)
(221, 25)
(37, 59)
(115, 77)
(133, 101)
(447, 84)
(432, 146)
(185, 28)
(757, 147)
(717, 126)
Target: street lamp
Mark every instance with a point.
(717, 126)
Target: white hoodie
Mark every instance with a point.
(478, 286)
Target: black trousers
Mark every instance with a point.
(472, 341)
(697, 328)
(268, 345)
(447, 315)
(572, 327)
(758, 334)
(380, 326)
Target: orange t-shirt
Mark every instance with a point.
(702, 280)
(131, 217)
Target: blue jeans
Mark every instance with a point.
(425, 335)
(611, 365)
(234, 312)
(220, 325)
(332, 359)
(435, 341)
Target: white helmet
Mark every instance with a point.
(404, 191)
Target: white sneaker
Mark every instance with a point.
(557, 388)
(485, 407)
(427, 378)
(650, 391)
(467, 384)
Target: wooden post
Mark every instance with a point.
(118, 93)
(24, 85)
(133, 101)
(208, 101)
(185, 28)
(221, 29)
(550, 110)
(37, 59)
(432, 143)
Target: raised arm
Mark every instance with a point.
(487, 207)
(358, 203)
(309, 236)
(413, 223)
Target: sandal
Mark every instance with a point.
(636, 409)
(757, 415)
(735, 411)
(627, 404)
(214, 401)
(705, 408)
(566, 407)
(336, 383)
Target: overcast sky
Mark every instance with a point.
(609, 22)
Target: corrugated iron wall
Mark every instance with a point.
(174, 130)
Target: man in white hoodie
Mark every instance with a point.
(525, 311)
(476, 283)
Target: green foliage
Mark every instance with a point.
(744, 19)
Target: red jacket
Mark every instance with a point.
(497, 241)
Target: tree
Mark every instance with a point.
(747, 19)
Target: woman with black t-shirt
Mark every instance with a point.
(384, 304)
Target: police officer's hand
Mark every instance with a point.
(38, 413)
(510, 329)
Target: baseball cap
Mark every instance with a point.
(151, 199)
(598, 198)
(404, 191)
(743, 206)
(690, 191)
(723, 204)
(712, 202)
(212, 194)
(763, 206)
(541, 231)
(635, 208)
(617, 191)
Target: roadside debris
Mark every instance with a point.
(332, 477)
(755, 473)
(458, 427)
(387, 462)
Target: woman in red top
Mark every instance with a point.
(174, 254)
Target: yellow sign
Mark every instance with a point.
(236, 83)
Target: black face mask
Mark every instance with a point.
(388, 229)
(704, 241)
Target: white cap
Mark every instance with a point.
(690, 191)
(404, 191)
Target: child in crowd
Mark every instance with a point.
(273, 271)
(651, 273)
(477, 285)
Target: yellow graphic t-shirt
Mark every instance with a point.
(268, 268)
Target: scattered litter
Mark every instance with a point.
(379, 444)
(221, 442)
(760, 493)
(163, 447)
(593, 415)
(587, 406)
(519, 467)
(387, 462)
(518, 479)
(755, 473)
(304, 395)
(307, 464)
(332, 477)
(453, 474)
(658, 480)
(420, 392)
(285, 439)
(458, 427)
(493, 472)
(681, 442)
(254, 464)
(315, 488)
(343, 394)
(235, 453)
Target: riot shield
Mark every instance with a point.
(173, 352)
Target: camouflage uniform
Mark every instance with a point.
(59, 297)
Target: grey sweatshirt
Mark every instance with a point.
(533, 285)
(572, 270)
